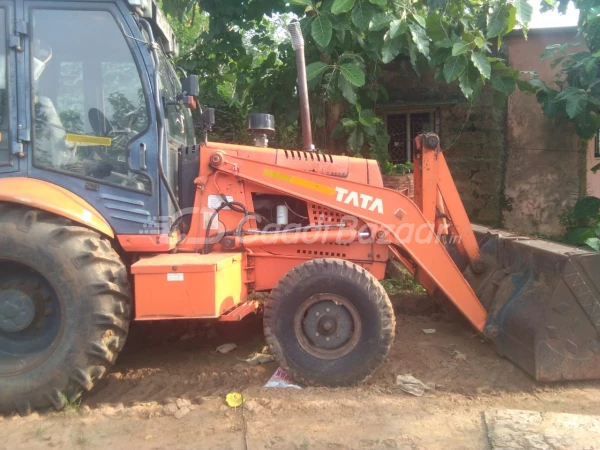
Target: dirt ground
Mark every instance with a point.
(168, 369)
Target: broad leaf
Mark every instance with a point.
(593, 243)
(524, 11)
(505, 85)
(342, 6)
(454, 67)
(353, 73)
(361, 15)
(497, 20)
(315, 69)
(420, 38)
(465, 84)
(481, 62)
(587, 208)
(397, 27)
(552, 50)
(321, 29)
(389, 51)
(347, 90)
(537, 83)
(459, 48)
(579, 235)
(420, 20)
(380, 21)
(576, 103)
(356, 140)
(379, 2)
(369, 121)
(301, 2)
(348, 124)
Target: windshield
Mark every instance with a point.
(180, 126)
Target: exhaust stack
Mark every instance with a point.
(298, 46)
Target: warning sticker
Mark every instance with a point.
(214, 201)
(215, 223)
(175, 277)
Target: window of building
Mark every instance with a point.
(403, 127)
(88, 101)
(597, 148)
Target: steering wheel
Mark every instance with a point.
(100, 124)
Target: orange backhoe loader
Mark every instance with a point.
(110, 212)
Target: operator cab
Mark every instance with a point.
(78, 105)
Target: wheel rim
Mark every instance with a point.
(327, 326)
(30, 318)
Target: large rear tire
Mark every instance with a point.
(64, 309)
(329, 322)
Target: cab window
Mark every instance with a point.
(88, 98)
(4, 148)
(180, 126)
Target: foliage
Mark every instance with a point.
(245, 61)
(389, 168)
(353, 39)
(582, 223)
(577, 96)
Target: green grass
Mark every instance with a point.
(405, 285)
(73, 403)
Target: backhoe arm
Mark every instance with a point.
(383, 209)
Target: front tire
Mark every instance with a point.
(64, 309)
(329, 322)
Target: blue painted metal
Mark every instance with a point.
(128, 211)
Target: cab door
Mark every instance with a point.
(93, 130)
(10, 147)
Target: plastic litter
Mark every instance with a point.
(260, 358)
(281, 379)
(428, 330)
(413, 385)
(226, 348)
(234, 399)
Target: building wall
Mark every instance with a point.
(593, 180)
(473, 136)
(546, 161)
(514, 167)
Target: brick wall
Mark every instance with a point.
(472, 136)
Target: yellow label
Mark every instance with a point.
(83, 139)
(299, 181)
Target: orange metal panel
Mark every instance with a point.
(270, 269)
(240, 311)
(147, 243)
(55, 199)
(178, 286)
(456, 210)
(382, 208)
(319, 236)
(426, 179)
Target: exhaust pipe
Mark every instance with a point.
(298, 46)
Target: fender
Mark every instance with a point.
(52, 198)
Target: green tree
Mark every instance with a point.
(348, 42)
(578, 78)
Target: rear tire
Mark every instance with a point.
(329, 322)
(72, 289)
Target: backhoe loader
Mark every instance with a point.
(110, 211)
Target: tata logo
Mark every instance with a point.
(363, 201)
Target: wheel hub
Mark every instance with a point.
(327, 326)
(17, 310)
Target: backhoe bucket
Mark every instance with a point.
(543, 301)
